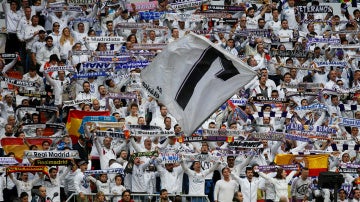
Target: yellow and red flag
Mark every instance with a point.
(316, 163)
(17, 146)
(75, 118)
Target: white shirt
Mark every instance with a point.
(170, 180)
(137, 178)
(82, 183)
(20, 31)
(29, 35)
(197, 180)
(12, 18)
(117, 190)
(224, 190)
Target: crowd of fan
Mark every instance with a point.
(45, 39)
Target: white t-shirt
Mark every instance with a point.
(224, 190)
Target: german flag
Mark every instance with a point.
(316, 163)
(75, 118)
(17, 145)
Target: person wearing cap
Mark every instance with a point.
(81, 182)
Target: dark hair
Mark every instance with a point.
(230, 157)
(248, 168)
(162, 191)
(222, 170)
(235, 195)
(45, 141)
(107, 82)
(172, 30)
(126, 191)
(48, 37)
(32, 147)
(54, 57)
(134, 105)
(23, 194)
(129, 37)
(51, 169)
(279, 172)
(85, 83)
(119, 176)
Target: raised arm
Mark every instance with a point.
(134, 144)
(242, 165)
(212, 169)
(10, 65)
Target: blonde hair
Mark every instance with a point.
(100, 193)
(64, 38)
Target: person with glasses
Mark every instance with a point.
(55, 34)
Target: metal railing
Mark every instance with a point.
(146, 197)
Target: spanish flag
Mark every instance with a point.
(204, 7)
(75, 118)
(17, 146)
(316, 163)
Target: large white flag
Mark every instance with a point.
(192, 77)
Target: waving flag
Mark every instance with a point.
(75, 118)
(193, 77)
(316, 163)
(17, 145)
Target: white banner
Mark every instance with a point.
(51, 154)
(105, 39)
(193, 77)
